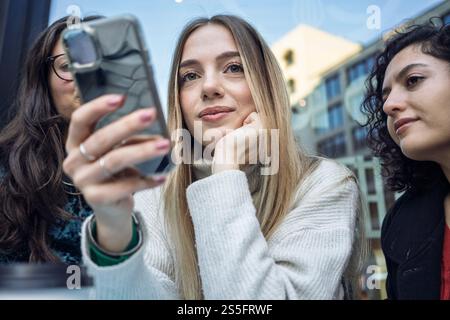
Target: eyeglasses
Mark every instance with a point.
(60, 66)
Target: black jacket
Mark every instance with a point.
(412, 237)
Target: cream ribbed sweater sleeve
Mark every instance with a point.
(306, 257)
(147, 274)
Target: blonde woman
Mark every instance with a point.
(218, 230)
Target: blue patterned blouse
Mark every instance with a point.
(66, 235)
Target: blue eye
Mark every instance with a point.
(235, 68)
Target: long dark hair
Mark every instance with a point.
(402, 173)
(32, 196)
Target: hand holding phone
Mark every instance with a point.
(109, 56)
(116, 145)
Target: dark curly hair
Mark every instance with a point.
(401, 172)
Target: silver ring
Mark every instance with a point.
(85, 154)
(106, 172)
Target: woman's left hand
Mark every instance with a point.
(233, 149)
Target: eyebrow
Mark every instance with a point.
(403, 73)
(222, 56)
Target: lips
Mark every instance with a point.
(215, 110)
(401, 122)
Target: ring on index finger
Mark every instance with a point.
(106, 172)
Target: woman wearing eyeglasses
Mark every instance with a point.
(40, 210)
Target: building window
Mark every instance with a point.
(333, 147)
(370, 180)
(360, 69)
(374, 220)
(335, 116)
(291, 86)
(320, 122)
(446, 18)
(332, 119)
(359, 135)
(289, 57)
(333, 87)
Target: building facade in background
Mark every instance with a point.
(325, 77)
(304, 54)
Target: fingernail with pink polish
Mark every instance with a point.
(163, 144)
(159, 179)
(115, 100)
(146, 116)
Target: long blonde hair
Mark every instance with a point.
(269, 93)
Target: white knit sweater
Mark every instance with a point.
(304, 259)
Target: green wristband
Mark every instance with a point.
(103, 259)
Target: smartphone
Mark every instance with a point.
(107, 56)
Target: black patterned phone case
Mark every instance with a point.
(109, 56)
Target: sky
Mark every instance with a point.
(162, 20)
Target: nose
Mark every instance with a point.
(212, 86)
(394, 103)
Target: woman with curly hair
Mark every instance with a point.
(408, 104)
